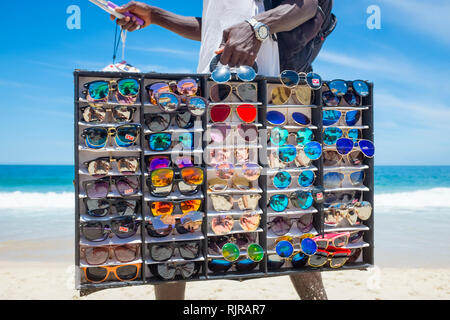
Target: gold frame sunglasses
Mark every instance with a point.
(345, 134)
(342, 175)
(344, 159)
(233, 89)
(280, 95)
(105, 165)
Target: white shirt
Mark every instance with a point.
(221, 14)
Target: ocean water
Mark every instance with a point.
(412, 210)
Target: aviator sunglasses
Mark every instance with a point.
(226, 202)
(345, 146)
(221, 112)
(334, 179)
(245, 92)
(223, 74)
(336, 258)
(332, 117)
(344, 214)
(279, 136)
(332, 134)
(277, 118)
(280, 95)
(283, 225)
(219, 132)
(339, 90)
(164, 225)
(221, 225)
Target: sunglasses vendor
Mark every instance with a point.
(276, 34)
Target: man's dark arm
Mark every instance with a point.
(239, 44)
(288, 15)
(187, 27)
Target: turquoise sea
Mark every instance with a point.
(412, 210)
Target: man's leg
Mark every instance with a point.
(170, 291)
(309, 286)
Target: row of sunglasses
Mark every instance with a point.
(126, 136)
(239, 251)
(132, 272)
(170, 96)
(161, 183)
(190, 219)
(218, 114)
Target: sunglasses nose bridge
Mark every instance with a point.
(113, 85)
(112, 131)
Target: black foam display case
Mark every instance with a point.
(261, 272)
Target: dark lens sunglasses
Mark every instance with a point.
(125, 186)
(122, 227)
(165, 251)
(104, 207)
(157, 122)
(97, 114)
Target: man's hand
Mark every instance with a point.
(239, 45)
(139, 9)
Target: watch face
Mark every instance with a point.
(263, 32)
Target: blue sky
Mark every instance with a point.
(407, 60)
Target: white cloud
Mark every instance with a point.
(184, 53)
(379, 66)
(166, 69)
(427, 17)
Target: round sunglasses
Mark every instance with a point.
(283, 179)
(291, 79)
(185, 87)
(299, 199)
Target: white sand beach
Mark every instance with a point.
(25, 275)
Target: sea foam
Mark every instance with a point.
(36, 201)
(429, 198)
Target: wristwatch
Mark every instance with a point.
(262, 31)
